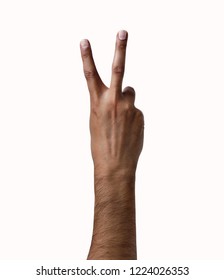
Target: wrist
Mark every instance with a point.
(114, 172)
(110, 187)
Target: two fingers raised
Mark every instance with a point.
(94, 81)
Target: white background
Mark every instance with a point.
(175, 62)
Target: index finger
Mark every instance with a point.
(93, 79)
(118, 65)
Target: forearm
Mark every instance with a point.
(117, 130)
(114, 230)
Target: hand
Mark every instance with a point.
(116, 125)
(116, 128)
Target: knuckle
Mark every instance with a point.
(118, 69)
(139, 115)
(129, 108)
(129, 89)
(122, 45)
(89, 74)
(85, 54)
(128, 103)
(129, 94)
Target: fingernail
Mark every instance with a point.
(122, 35)
(84, 44)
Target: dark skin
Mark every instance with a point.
(117, 132)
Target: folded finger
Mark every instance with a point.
(129, 94)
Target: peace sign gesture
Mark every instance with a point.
(116, 125)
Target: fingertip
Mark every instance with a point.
(84, 44)
(122, 35)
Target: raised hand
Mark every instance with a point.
(116, 125)
(117, 129)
